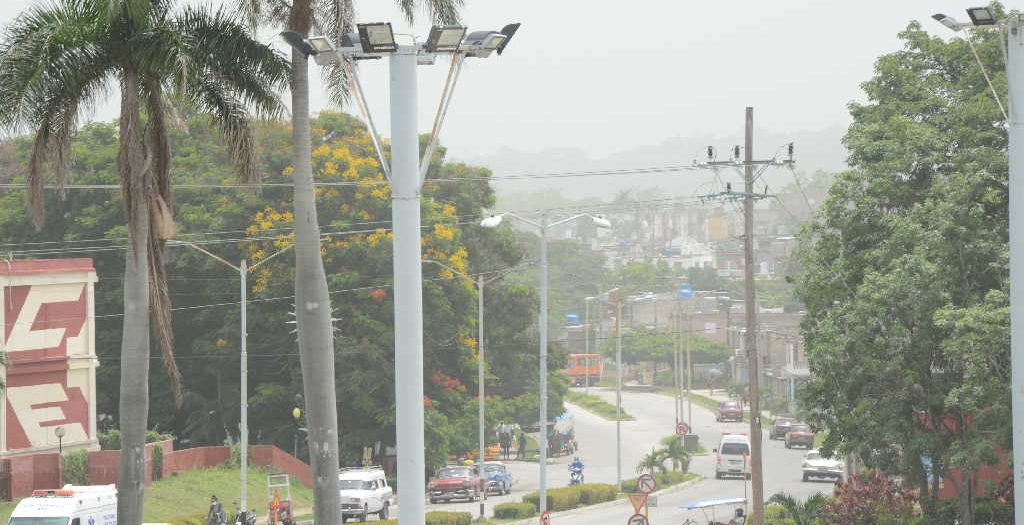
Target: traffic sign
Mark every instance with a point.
(638, 499)
(652, 501)
(545, 518)
(682, 429)
(646, 484)
(638, 519)
(685, 291)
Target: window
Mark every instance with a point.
(40, 521)
(349, 484)
(734, 449)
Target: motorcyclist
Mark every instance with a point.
(576, 470)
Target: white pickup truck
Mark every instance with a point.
(364, 491)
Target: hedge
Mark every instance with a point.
(662, 479)
(566, 498)
(514, 510)
(438, 518)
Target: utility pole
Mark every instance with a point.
(618, 390)
(750, 300)
(673, 327)
(750, 305)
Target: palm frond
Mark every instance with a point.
(232, 118)
(444, 11)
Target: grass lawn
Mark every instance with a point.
(596, 405)
(188, 494)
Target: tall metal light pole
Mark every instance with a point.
(586, 323)
(618, 390)
(982, 18)
(542, 321)
(243, 270)
(406, 172)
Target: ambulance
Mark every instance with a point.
(71, 505)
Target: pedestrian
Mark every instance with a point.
(215, 516)
(506, 444)
(521, 441)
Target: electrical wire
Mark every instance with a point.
(984, 72)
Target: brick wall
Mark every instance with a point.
(38, 471)
(269, 455)
(195, 458)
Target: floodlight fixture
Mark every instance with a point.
(377, 37)
(711, 153)
(299, 42)
(982, 16)
(321, 44)
(948, 21)
(492, 222)
(444, 39)
(601, 222)
(508, 31)
(481, 44)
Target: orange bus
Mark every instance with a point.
(584, 369)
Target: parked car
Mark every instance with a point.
(455, 482)
(731, 456)
(729, 410)
(499, 479)
(800, 435)
(364, 491)
(816, 466)
(780, 427)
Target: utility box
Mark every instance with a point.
(691, 442)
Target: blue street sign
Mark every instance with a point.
(685, 291)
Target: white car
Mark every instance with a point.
(816, 466)
(364, 491)
(731, 456)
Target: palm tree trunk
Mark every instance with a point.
(313, 313)
(134, 401)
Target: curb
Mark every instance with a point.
(606, 504)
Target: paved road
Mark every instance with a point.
(655, 419)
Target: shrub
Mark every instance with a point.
(663, 479)
(448, 518)
(76, 467)
(776, 515)
(158, 462)
(566, 498)
(189, 519)
(985, 511)
(110, 440)
(514, 510)
(591, 493)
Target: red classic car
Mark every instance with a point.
(730, 410)
(800, 435)
(455, 482)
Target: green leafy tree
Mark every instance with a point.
(653, 462)
(57, 59)
(904, 272)
(674, 451)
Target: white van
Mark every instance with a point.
(71, 505)
(364, 491)
(732, 457)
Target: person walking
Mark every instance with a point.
(521, 442)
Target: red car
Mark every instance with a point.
(730, 410)
(800, 435)
(455, 482)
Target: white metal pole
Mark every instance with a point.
(405, 203)
(1015, 78)
(543, 328)
(480, 382)
(618, 391)
(586, 345)
(244, 424)
(689, 368)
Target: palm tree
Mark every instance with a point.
(653, 462)
(330, 18)
(59, 57)
(806, 513)
(672, 448)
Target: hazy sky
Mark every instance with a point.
(605, 76)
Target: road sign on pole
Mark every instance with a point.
(682, 429)
(545, 518)
(646, 484)
(684, 292)
(638, 519)
(638, 500)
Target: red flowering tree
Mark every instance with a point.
(869, 499)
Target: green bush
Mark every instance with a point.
(514, 510)
(110, 440)
(776, 515)
(662, 479)
(157, 463)
(566, 498)
(448, 518)
(76, 467)
(985, 511)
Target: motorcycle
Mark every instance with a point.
(576, 473)
(244, 517)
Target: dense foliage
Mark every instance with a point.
(904, 271)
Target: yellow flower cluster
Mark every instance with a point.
(221, 342)
(467, 341)
(374, 238)
(448, 210)
(444, 232)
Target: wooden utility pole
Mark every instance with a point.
(750, 334)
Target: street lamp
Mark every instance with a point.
(243, 425)
(494, 221)
(586, 343)
(479, 285)
(405, 172)
(983, 18)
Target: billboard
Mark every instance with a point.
(48, 334)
